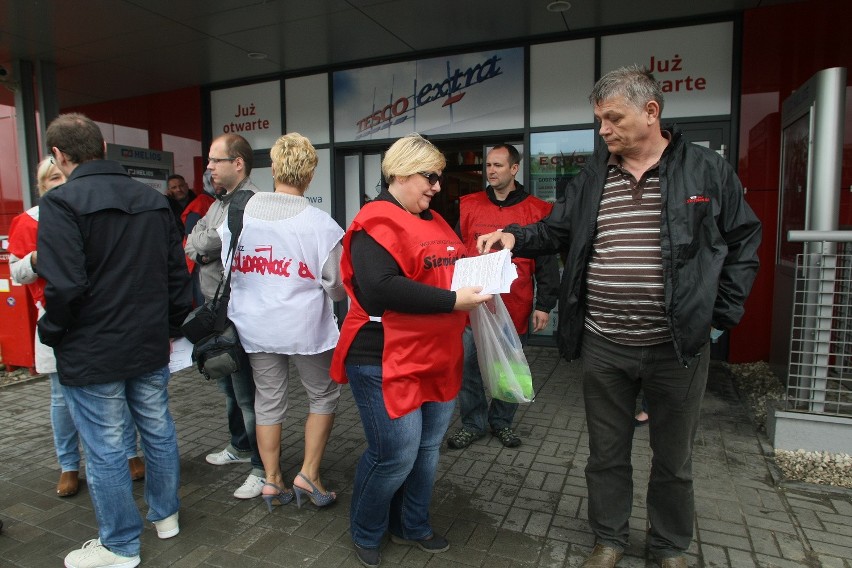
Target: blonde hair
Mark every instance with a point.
(294, 160)
(412, 154)
(42, 173)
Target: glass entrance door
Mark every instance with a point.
(362, 180)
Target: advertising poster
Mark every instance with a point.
(693, 65)
(151, 167)
(252, 111)
(444, 95)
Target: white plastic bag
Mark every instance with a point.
(502, 362)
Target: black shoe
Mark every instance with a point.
(463, 438)
(434, 544)
(369, 557)
(507, 437)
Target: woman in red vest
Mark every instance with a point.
(400, 348)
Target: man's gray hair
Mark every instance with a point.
(634, 83)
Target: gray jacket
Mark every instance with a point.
(204, 240)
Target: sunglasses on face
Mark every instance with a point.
(215, 161)
(431, 176)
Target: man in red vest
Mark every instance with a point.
(503, 202)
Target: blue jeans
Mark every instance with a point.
(612, 376)
(395, 475)
(65, 439)
(239, 404)
(100, 413)
(476, 414)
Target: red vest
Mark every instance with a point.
(422, 356)
(23, 236)
(200, 205)
(479, 216)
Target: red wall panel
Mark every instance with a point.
(783, 46)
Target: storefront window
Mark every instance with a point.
(555, 158)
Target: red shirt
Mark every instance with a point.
(200, 205)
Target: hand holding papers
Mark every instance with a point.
(499, 350)
(494, 272)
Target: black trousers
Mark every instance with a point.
(612, 377)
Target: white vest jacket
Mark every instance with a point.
(278, 304)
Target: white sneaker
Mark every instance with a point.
(95, 555)
(168, 527)
(250, 488)
(225, 457)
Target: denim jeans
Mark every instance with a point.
(100, 413)
(612, 377)
(239, 404)
(395, 475)
(65, 439)
(476, 414)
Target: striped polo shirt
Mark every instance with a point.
(625, 300)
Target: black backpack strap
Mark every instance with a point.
(236, 209)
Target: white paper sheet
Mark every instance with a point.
(493, 271)
(181, 355)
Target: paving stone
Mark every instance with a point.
(840, 530)
(783, 525)
(538, 524)
(714, 556)
(843, 506)
(732, 526)
(741, 558)
(791, 547)
(826, 561)
(763, 542)
(833, 549)
(724, 539)
(516, 519)
(516, 547)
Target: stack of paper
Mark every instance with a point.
(493, 271)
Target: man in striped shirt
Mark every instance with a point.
(661, 253)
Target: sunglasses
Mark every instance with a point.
(218, 160)
(431, 176)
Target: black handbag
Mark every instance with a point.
(219, 354)
(216, 344)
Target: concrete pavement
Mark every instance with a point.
(499, 507)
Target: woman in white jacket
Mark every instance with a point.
(285, 276)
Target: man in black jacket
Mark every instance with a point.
(117, 290)
(661, 255)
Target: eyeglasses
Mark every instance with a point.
(215, 161)
(431, 176)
